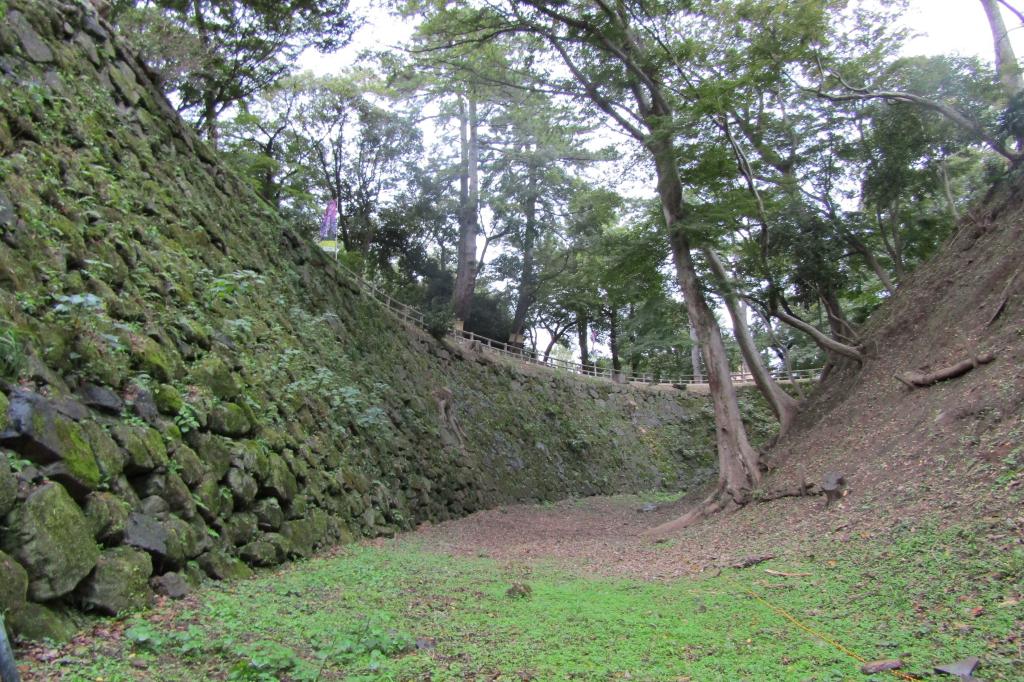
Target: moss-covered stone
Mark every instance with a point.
(267, 550)
(13, 585)
(212, 372)
(220, 566)
(145, 448)
(170, 487)
(50, 536)
(210, 501)
(150, 357)
(167, 399)
(215, 451)
(240, 529)
(243, 487)
(228, 419)
(110, 458)
(306, 534)
(119, 583)
(190, 467)
(8, 485)
(39, 623)
(278, 480)
(40, 433)
(107, 515)
(268, 514)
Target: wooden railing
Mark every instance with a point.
(411, 316)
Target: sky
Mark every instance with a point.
(945, 26)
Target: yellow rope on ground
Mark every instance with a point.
(823, 637)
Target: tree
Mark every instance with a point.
(1007, 68)
(216, 53)
(621, 72)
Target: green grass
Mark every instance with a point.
(928, 597)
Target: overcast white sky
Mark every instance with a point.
(947, 26)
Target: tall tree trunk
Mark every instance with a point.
(581, 337)
(208, 122)
(781, 403)
(613, 338)
(469, 224)
(1007, 67)
(948, 190)
(528, 277)
(698, 376)
(550, 347)
(738, 463)
(634, 356)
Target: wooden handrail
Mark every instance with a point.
(408, 314)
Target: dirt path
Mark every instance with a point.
(602, 535)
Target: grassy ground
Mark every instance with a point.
(399, 612)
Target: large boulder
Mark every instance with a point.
(172, 585)
(145, 447)
(8, 485)
(147, 533)
(229, 419)
(279, 480)
(220, 566)
(243, 487)
(119, 583)
(240, 529)
(37, 622)
(42, 434)
(268, 514)
(108, 515)
(13, 585)
(50, 536)
(211, 372)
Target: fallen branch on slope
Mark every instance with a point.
(1004, 297)
(918, 379)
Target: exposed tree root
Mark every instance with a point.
(718, 501)
(918, 379)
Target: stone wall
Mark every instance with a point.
(192, 388)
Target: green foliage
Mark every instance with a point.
(186, 420)
(12, 353)
(229, 287)
(214, 53)
(439, 320)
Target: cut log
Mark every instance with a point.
(919, 379)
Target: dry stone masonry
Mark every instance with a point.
(190, 388)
